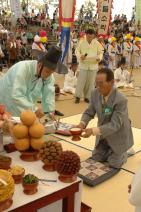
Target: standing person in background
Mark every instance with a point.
(89, 53)
(112, 53)
(136, 52)
(127, 49)
(12, 49)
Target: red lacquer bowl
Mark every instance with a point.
(76, 133)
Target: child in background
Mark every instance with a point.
(123, 78)
(71, 78)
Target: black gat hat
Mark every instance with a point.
(51, 59)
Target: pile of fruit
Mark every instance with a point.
(68, 163)
(50, 151)
(29, 133)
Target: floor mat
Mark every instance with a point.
(94, 173)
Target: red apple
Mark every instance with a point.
(2, 109)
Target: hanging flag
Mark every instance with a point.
(66, 19)
(138, 12)
(104, 10)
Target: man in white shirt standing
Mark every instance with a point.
(89, 53)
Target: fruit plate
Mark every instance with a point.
(30, 155)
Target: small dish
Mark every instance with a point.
(17, 173)
(76, 133)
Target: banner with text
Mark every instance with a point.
(104, 10)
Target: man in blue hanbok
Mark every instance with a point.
(27, 81)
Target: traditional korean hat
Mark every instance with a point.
(51, 60)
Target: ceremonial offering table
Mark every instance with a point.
(51, 196)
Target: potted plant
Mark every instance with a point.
(30, 184)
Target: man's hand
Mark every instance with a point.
(52, 116)
(81, 125)
(87, 133)
(91, 131)
(39, 113)
(98, 59)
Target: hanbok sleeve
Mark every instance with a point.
(19, 91)
(48, 95)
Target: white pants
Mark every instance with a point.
(136, 61)
(85, 83)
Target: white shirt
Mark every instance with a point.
(93, 51)
(135, 194)
(123, 76)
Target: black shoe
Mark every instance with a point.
(58, 113)
(86, 100)
(77, 100)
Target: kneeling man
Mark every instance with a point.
(113, 133)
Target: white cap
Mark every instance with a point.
(37, 38)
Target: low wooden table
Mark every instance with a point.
(61, 197)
